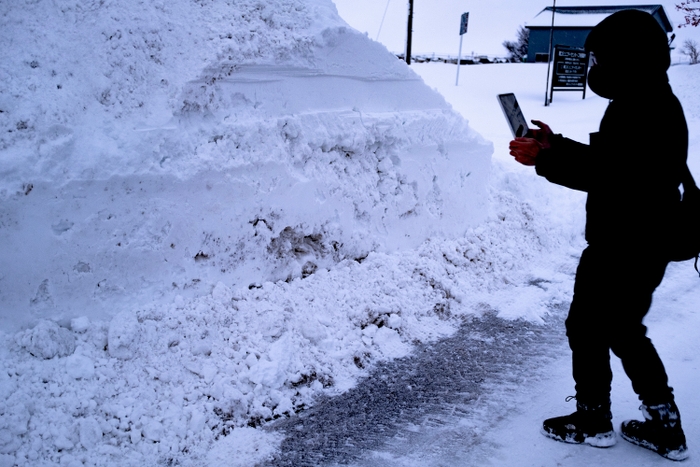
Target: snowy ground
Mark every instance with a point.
(494, 418)
(198, 379)
(514, 438)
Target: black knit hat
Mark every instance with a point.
(630, 36)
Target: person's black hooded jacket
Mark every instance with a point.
(633, 166)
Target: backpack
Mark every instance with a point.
(685, 239)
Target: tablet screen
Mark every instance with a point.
(513, 113)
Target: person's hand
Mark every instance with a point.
(542, 134)
(525, 150)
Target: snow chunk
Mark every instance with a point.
(314, 331)
(47, 340)
(273, 372)
(14, 421)
(243, 447)
(80, 325)
(389, 342)
(394, 321)
(90, 433)
(80, 367)
(123, 337)
(221, 293)
(152, 429)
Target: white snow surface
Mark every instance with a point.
(153, 148)
(118, 349)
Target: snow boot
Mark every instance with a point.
(660, 431)
(590, 424)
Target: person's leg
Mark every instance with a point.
(588, 340)
(587, 328)
(642, 364)
(640, 276)
(612, 294)
(661, 430)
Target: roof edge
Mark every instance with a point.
(610, 9)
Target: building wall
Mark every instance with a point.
(539, 40)
(573, 37)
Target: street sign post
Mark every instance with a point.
(464, 22)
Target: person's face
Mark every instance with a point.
(600, 79)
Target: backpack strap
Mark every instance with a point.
(687, 178)
(689, 184)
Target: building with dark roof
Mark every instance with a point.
(573, 23)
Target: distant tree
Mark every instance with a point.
(692, 12)
(517, 50)
(692, 50)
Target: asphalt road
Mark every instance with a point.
(406, 409)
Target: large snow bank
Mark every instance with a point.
(181, 382)
(157, 148)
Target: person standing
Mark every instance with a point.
(631, 171)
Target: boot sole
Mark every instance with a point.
(601, 440)
(674, 455)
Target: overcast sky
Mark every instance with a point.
(436, 22)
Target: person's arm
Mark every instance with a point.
(558, 159)
(566, 163)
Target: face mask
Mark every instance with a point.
(600, 82)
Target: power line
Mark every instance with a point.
(382, 23)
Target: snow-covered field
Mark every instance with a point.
(209, 223)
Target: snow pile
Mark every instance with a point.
(150, 149)
(184, 381)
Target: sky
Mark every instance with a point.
(436, 22)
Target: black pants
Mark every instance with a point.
(612, 294)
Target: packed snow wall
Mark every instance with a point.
(152, 148)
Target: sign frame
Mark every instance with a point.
(570, 70)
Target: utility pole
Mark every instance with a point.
(410, 32)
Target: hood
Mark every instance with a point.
(631, 50)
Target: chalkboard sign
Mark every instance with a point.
(570, 70)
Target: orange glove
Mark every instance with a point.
(526, 149)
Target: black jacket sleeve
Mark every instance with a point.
(566, 162)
